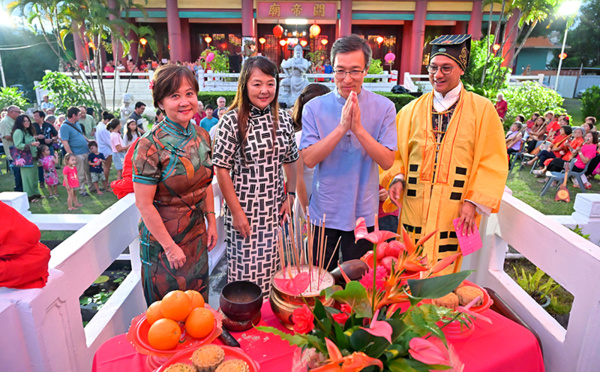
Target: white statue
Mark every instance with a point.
(126, 109)
(295, 80)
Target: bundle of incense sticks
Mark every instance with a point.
(291, 255)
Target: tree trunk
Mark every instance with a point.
(487, 58)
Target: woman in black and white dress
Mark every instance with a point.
(253, 148)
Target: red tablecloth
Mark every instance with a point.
(498, 347)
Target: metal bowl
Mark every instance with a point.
(241, 300)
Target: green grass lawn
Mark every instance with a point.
(573, 107)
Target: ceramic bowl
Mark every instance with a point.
(241, 300)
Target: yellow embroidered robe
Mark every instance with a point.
(471, 164)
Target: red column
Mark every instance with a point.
(508, 51)
(186, 46)
(174, 30)
(133, 42)
(248, 18)
(81, 48)
(475, 23)
(345, 18)
(418, 37)
(405, 53)
(460, 28)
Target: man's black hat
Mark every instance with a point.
(455, 47)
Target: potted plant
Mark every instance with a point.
(531, 283)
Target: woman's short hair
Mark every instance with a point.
(579, 129)
(568, 129)
(591, 119)
(168, 79)
(349, 44)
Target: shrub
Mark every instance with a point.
(210, 98)
(400, 100)
(529, 98)
(375, 68)
(590, 101)
(12, 96)
(66, 92)
(220, 62)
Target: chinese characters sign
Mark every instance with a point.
(299, 9)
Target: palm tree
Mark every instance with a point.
(91, 22)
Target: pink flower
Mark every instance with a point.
(375, 237)
(151, 86)
(379, 328)
(367, 279)
(429, 352)
(303, 320)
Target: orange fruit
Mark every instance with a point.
(196, 298)
(200, 322)
(176, 305)
(154, 312)
(164, 334)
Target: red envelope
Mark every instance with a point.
(467, 244)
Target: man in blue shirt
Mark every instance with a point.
(74, 142)
(209, 121)
(346, 135)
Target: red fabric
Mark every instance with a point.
(498, 347)
(197, 118)
(555, 126)
(124, 186)
(23, 259)
(530, 124)
(501, 108)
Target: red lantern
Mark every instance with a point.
(390, 57)
(278, 31)
(314, 30)
(379, 39)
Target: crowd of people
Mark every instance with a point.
(83, 146)
(550, 142)
(434, 167)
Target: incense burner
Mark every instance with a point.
(283, 304)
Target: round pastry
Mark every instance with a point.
(234, 365)
(180, 367)
(467, 294)
(208, 358)
(450, 301)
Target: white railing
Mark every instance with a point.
(420, 82)
(42, 329)
(569, 259)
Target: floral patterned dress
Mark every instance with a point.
(257, 175)
(178, 161)
(50, 175)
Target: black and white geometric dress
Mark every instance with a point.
(257, 175)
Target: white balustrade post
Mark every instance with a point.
(17, 200)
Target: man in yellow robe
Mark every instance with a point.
(451, 160)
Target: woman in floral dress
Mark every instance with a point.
(253, 147)
(172, 174)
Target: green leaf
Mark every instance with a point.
(101, 279)
(355, 295)
(436, 287)
(327, 292)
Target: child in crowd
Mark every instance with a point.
(209, 121)
(96, 161)
(116, 144)
(70, 181)
(131, 132)
(49, 165)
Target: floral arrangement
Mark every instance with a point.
(382, 323)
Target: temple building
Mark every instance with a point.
(185, 28)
